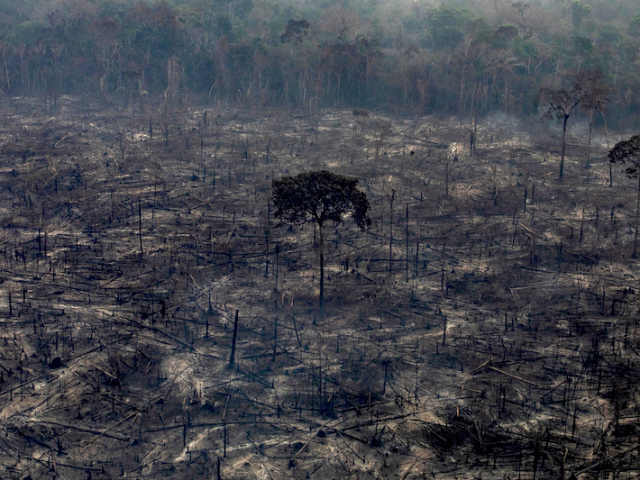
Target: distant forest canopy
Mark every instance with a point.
(455, 57)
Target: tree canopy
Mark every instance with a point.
(561, 104)
(627, 153)
(320, 196)
(458, 58)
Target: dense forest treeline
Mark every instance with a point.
(467, 58)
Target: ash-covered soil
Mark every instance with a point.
(485, 326)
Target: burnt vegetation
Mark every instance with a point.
(345, 248)
(159, 321)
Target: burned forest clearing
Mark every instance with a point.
(156, 321)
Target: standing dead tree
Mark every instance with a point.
(561, 105)
(320, 197)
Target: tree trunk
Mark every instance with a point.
(606, 129)
(321, 299)
(635, 238)
(275, 339)
(140, 227)
(564, 142)
(406, 244)
(233, 342)
(393, 193)
(589, 137)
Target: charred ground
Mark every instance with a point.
(485, 326)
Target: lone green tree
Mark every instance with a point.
(628, 152)
(321, 197)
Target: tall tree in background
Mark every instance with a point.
(579, 12)
(628, 152)
(561, 105)
(468, 59)
(595, 97)
(295, 31)
(321, 197)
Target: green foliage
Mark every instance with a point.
(25, 33)
(634, 26)
(525, 49)
(582, 45)
(627, 152)
(504, 35)
(223, 24)
(295, 31)
(579, 11)
(610, 34)
(447, 25)
(243, 7)
(381, 54)
(321, 197)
